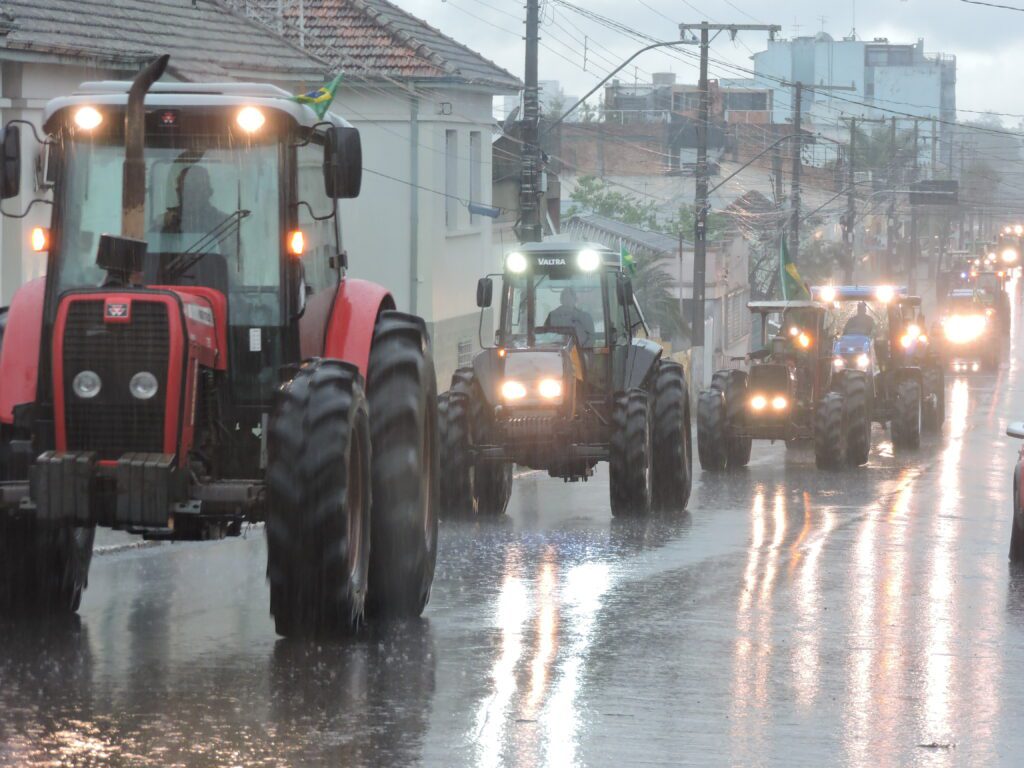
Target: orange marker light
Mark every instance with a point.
(502, 353)
(40, 239)
(296, 242)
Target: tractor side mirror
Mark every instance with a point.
(343, 163)
(625, 287)
(1016, 429)
(10, 162)
(484, 292)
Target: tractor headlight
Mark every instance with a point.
(885, 293)
(588, 260)
(1010, 255)
(143, 385)
(803, 340)
(759, 402)
(516, 263)
(839, 363)
(86, 384)
(779, 403)
(863, 361)
(513, 390)
(550, 389)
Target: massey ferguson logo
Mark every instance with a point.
(117, 311)
(551, 262)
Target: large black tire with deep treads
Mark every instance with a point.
(733, 384)
(402, 392)
(857, 402)
(458, 487)
(44, 568)
(712, 431)
(1017, 526)
(906, 418)
(830, 432)
(318, 501)
(934, 414)
(493, 483)
(630, 455)
(672, 467)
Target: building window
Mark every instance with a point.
(737, 317)
(475, 171)
(465, 354)
(451, 179)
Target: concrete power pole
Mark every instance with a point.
(798, 145)
(700, 244)
(530, 227)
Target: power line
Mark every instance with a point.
(993, 5)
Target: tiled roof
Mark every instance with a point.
(612, 233)
(206, 40)
(377, 40)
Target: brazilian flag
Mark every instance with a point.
(793, 286)
(320, 98)
(626, 260)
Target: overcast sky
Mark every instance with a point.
(986, 41)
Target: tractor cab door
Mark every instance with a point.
(618, 325)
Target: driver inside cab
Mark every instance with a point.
(861, 324)
(569, 315)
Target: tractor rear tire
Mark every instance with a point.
(458, 489)
(672, 466)
(318, 501)
(630, 455)
(906, 419)
(402, 392)
(712, 431)
(44, 567)
(934, 384)
(830, 432)
(858, 417)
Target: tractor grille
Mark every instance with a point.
(114, 423)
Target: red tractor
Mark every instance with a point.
(212, 365)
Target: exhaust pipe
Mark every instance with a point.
(133, 196)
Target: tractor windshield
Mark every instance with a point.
(559, 302)
(210, 207)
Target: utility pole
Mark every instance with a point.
(798, 148)
(700, 245)
(530, 228)
(890, 221)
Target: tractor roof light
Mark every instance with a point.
(516, 263)
(885, 293)
(827, 294)
(250, 119)
(588, 260)
(88, 118)
(1009, 255)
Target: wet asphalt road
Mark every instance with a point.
(790, 617)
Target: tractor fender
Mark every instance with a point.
(489, 370)
(349, 334)
(641, 358)
(19, 355)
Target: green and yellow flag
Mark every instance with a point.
(626, 260)
(793, 286)
(320, 98)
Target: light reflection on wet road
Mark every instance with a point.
(861, 618)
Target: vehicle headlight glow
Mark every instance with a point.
(839, 363)
(516, 263)
(588, 260)
(86, 384)
(963, 329)
(885, 293)
(779, 403)
(863, 361)
(88, 118)
(1009, 255)
(143, 385)
(827, 294)
(759, 402)
(513, 390)
(250, 119)
(913, 330)
(803, 340)
(550, 389)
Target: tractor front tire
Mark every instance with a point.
(858, 417)
(630, 455)
(493, 488)
(458, 489)
(402, 392)
(318, 501)
(733, 385)
(712, 431)
(830, 432)
(934, 411)
(1017, 527)
(44, 567)
(672, 467)
(906, 419)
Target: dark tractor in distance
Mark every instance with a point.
(885, 336)
(572, 380)
(791, 393)
(971, 332)
(212, 365)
